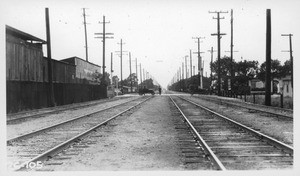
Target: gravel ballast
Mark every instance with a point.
(143, 140)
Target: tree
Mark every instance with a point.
(127, 81)
(286, 69)
(244, 71)
(225, 65)
(276, 70)
(97, 76)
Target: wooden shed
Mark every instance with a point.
(24, 57)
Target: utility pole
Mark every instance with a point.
(186, 70)
(103, 81)
(199, 61)
(121, 62)
(268, 59)
(231, 68)
(211, 61)
(191, 63)
(141, 74)
(136, 71)
(219, 36)
(85, 34)
(231, 49)
(291, 54)
(111, 67)
(183, 76)
(51, 100)
(193, 70)
(180, 79)
(144, 74)
(130, 72)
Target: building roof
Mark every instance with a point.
(20, 34)
(75, 57)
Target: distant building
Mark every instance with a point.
(256, 83)
(27, 84)
(279, 85)
(85, 70)
(127, 89)
(285, 84)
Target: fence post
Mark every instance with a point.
(253, 98)
(281, 100)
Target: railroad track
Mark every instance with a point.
(274, 111)
(33, 148)
(231, 145)
(27, 115)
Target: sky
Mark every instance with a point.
(158, 33)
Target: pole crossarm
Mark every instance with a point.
(230, 51)
(218, 12)
(105, 33)
(218, 34)
(105, 37)
(198, 52)
(286, 34)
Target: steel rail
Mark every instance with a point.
(253, 108)
(61, 123)
(48, 111)
(267, 138)
(209, 152)
(47, 154)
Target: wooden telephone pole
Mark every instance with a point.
(121, 61)
(291, 54)
(141, 74)
(85, 34)
(211, 61)
(191, 63)
(199, 61)
(130, 72)
(268, 59)
(103, 37)
(51, 100)
(111, 67)
(219, 36)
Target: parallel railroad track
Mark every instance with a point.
(22, 116)
(274, 111)
(41, 145)
(231, 145)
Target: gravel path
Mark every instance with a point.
(143, 140)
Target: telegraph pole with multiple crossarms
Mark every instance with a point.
(103, 37)
(219, 35)
(199, 61)
(291, 54)
(121, 61)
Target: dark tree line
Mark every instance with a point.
(243, 71)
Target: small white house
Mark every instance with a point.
(286, 85)
(279, 85)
